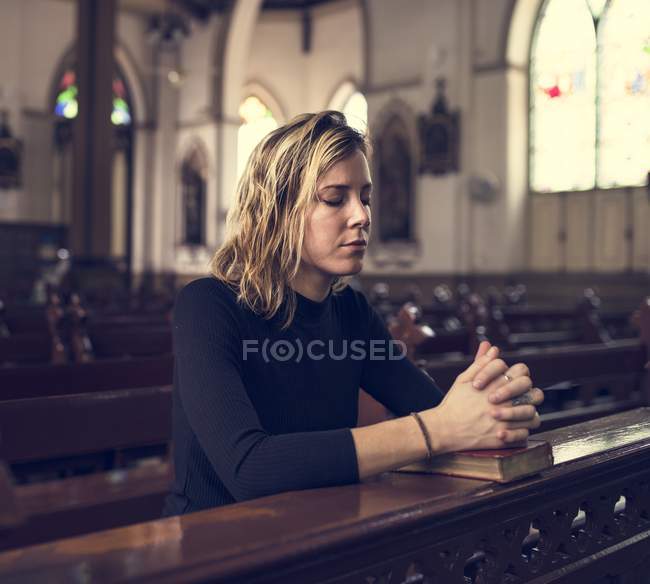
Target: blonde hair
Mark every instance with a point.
(266, 224)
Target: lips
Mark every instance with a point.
(356, 243)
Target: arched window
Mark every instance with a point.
(590, 95)
(349, 100)
(66, 105)
(624, 96)
(256, 122)
(356, 111)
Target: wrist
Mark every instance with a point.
(434, 422)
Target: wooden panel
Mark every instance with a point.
(545, 246)
(641, 226)
(610, 246)
(579, 233)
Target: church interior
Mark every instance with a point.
(511, 202)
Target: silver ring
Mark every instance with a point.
(524, 399)
(508, 378)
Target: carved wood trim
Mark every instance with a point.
(547, 541)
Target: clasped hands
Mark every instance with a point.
(490, 405)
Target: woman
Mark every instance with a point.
(271, 350)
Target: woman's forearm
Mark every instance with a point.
(395, 443)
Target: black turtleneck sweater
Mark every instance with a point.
(254, 414)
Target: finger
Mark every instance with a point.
(481, 362)
(513, 436)
(489, 373)
(535, 396)
(514, 413)
(483, 348)
(517, 370)
(510, 390)
(531, 424)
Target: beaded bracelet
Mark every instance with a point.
(425, 433)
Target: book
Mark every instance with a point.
(503, 465)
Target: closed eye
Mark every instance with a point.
(336, 203)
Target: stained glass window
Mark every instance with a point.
(590, 95)
(356, 111)
(563, 98)
(66, 105)
(624, 100)
(256, 122)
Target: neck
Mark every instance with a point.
(313, 285)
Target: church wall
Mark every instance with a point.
(276, 62)
(305, 81)
(489, 31)
(336, 54)
(34, 34)
(464, 41)
(412, 45)
(196, 70)
(405, 35)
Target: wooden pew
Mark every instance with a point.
(93, 416)
(130, 342)
(68, 425)
(460, 326)
(584, 520)
(25, 349)
(70, 378)
(421, 339)
(72, 336)
(86, 427)
(617, 367)
(85, 504)
(589, 381)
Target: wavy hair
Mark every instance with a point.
(265, 227)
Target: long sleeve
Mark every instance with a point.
(397, 383)
(248, 460)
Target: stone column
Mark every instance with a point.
(90, 233)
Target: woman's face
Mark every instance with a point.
(338, 223)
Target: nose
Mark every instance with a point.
(360, 215)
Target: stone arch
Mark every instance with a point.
(232, 46)
(521, 26)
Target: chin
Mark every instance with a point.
(350, 268)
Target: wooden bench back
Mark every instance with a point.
(64, 426)
(69, 378)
